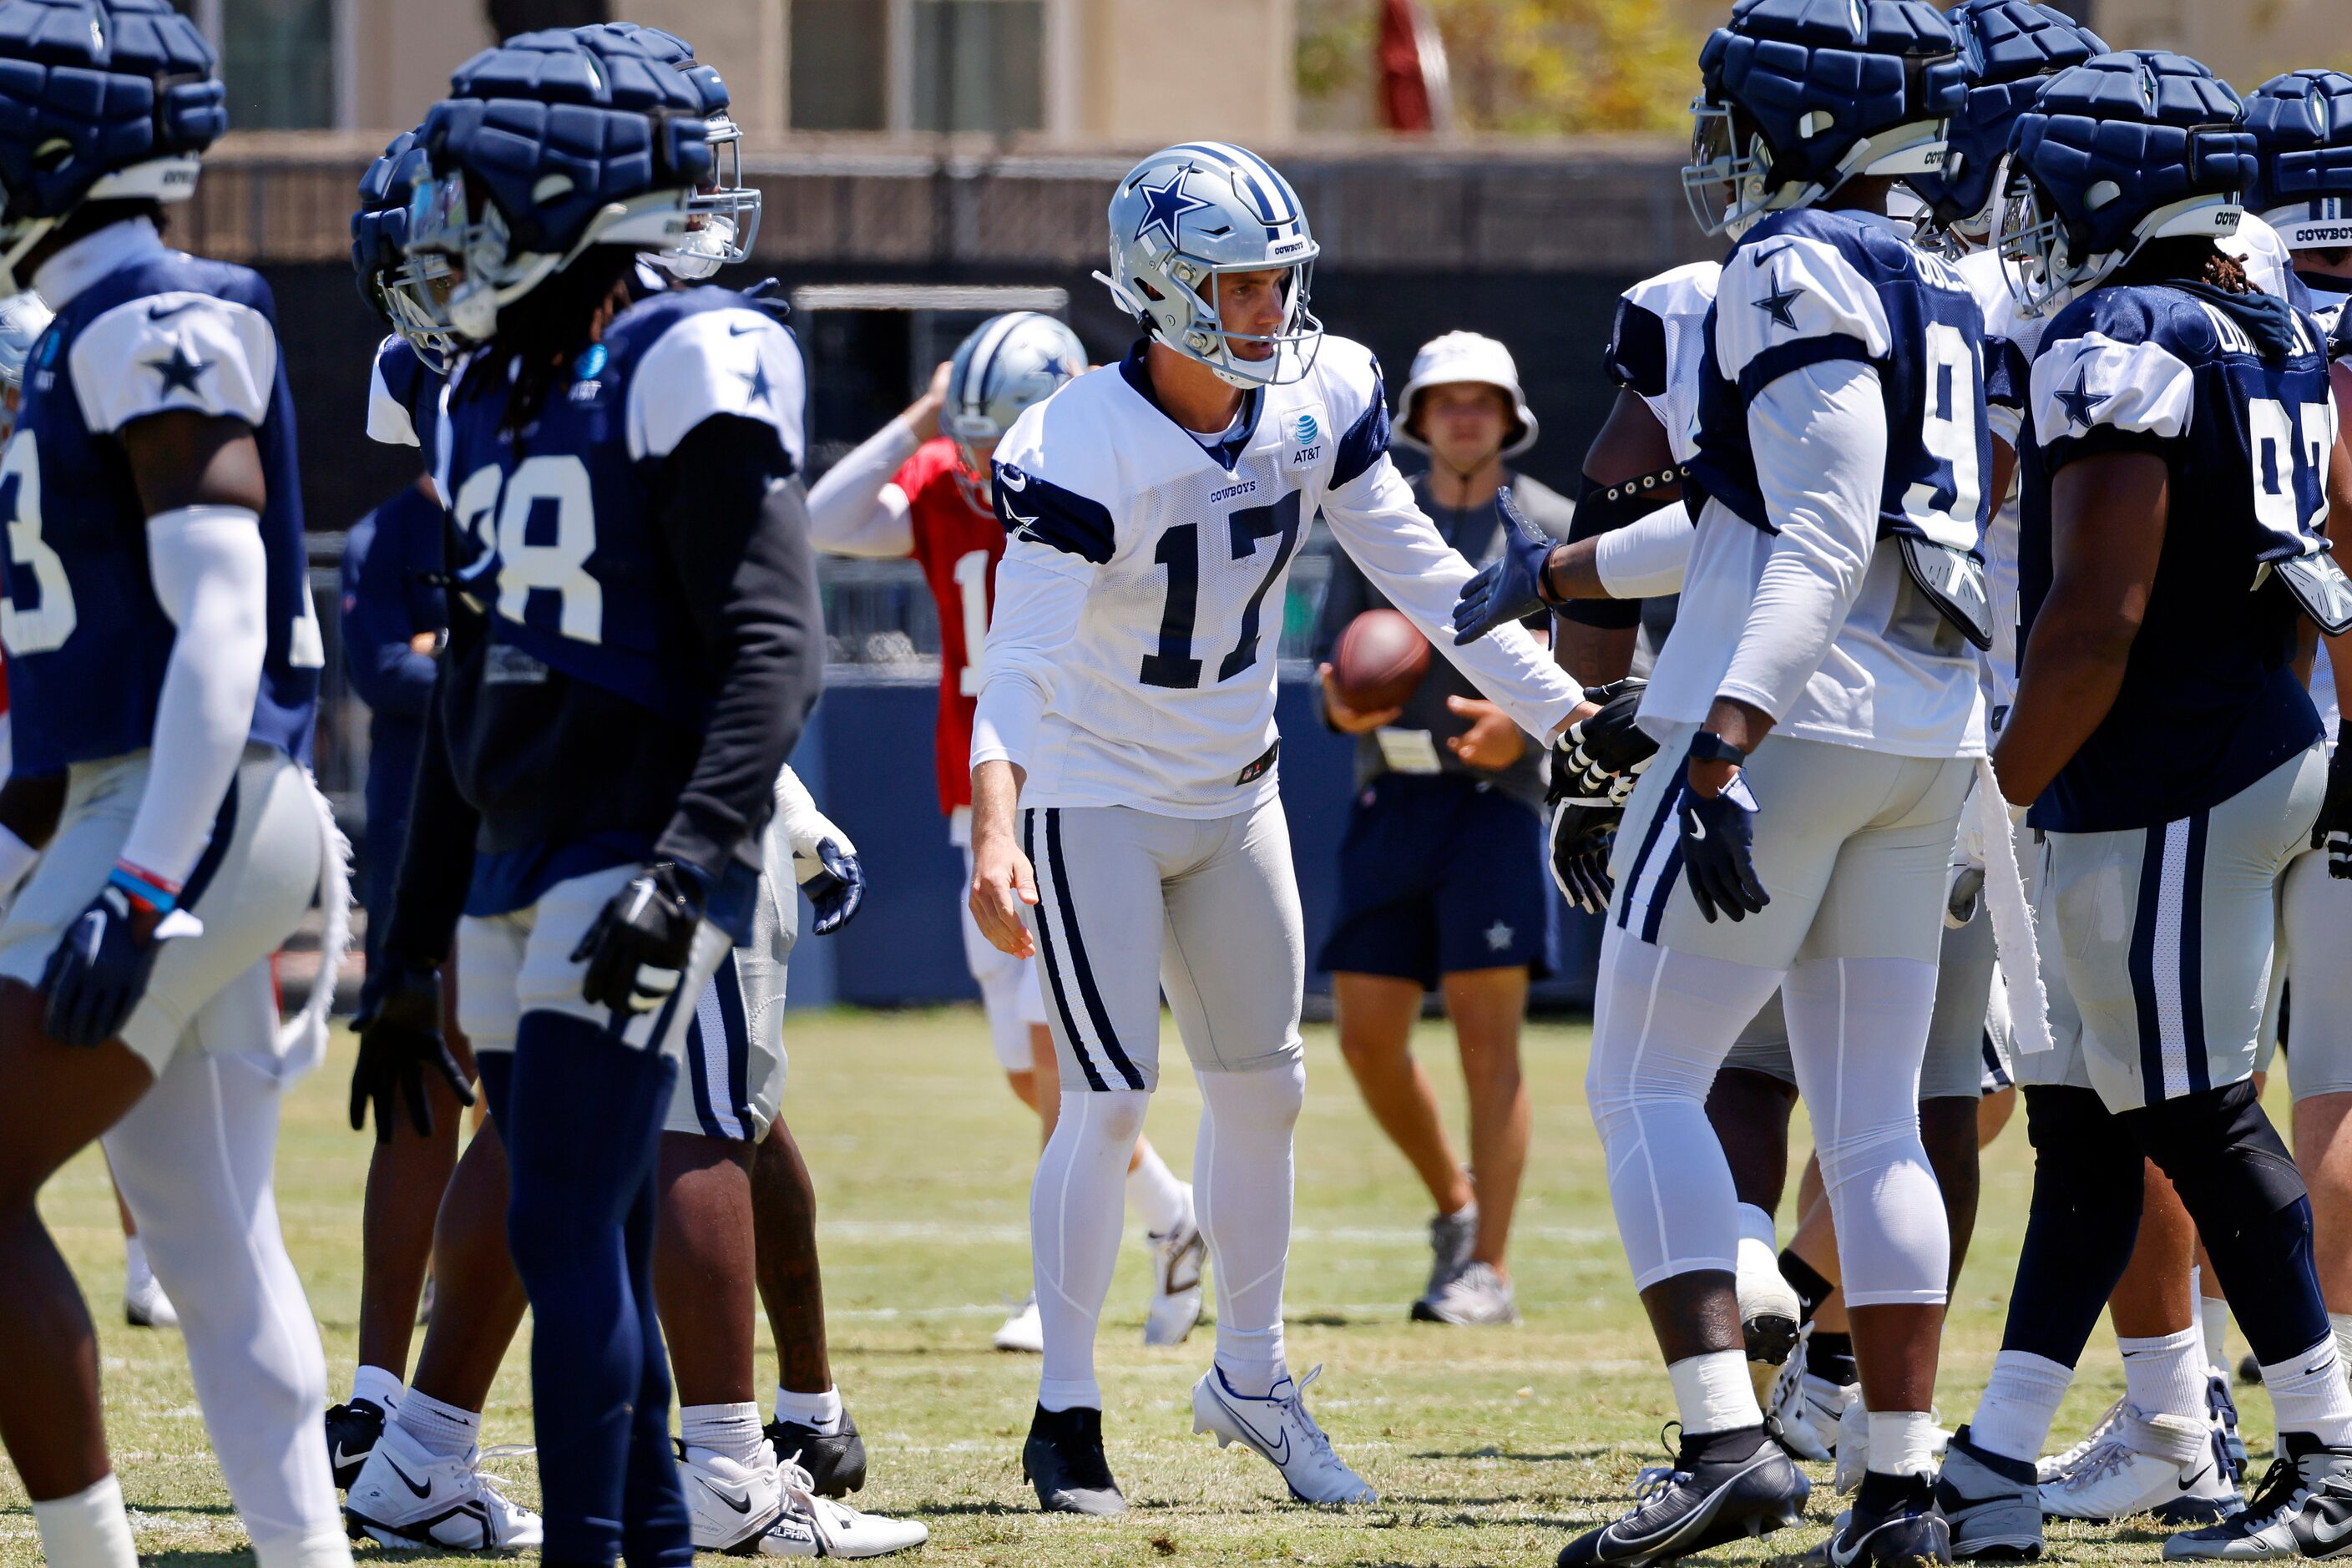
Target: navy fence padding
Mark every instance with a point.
(867, 756)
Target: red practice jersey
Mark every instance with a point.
(958, 545)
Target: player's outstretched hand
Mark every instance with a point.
(1581, 838)
(1598, 760)
(1510, 587)
(1719, 850)
(1003, 883)
(2333, 831)
(399, 1026)
(100, 968)
(1350, 720)
(638, 946)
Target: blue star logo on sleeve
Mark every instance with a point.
(756, 381)
(1023, 527)
(1164, 204)
(1780, 305)
(2080, 402)
(180, 372)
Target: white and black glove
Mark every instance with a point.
(641, 943)
(1598, 760)
(824, 862)
(1581, 838)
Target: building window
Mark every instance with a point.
(840, 70)
(979, 65)
(277, 58)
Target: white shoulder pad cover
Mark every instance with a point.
(738, 361)
(2094, 381)
(1072, 437)
(1786, 288)
(1681, 291)
(388, 420)
(167, 353)
(1348, 378)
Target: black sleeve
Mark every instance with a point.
(1636, 356)
(737, 520)
(437, 858)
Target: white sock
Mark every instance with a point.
(1755, 1224)
(2164, 1375)
(1903, 1442)
(441, 1430)
(2309, 1394)
(382, 1388)
(1159, 1198)
(1073, 1233)
(2014, 1412)
(135, 1271)
(1714, 1393)
(2213, 1317)
(1241, 1194)
(87, 1530)
(730, 1431)
(2341, 1325)
(821, 1413)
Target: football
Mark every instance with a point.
(1381, 661)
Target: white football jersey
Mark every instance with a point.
(1657, 342)
(1140, 604)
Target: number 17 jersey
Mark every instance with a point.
(1173, 554)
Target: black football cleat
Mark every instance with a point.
(1895, 1523)
(1722, 1486)
(351, 1433)
(1064, 1460)
(836, 1461)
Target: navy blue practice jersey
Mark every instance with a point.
(573, 729)
(86, 640)
(1809, 286)
(2209, 700)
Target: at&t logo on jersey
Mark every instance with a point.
(1305, 437)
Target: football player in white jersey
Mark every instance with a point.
(1820, 705)
(1126, 825)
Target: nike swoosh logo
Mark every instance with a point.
(345, 1456)
(1278, 1459)
(742, 1505)
(157, 313)
(422, 1491)
(1698, 829)
(735, 331)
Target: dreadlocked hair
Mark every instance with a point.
(541, 334)
(2189, 259)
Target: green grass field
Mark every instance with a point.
(1487, 1446)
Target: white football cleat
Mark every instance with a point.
(1477, 1296)
(1176, 1259)
(1802, 1410)
(406, 1498)
(1024, 1330)
(730, 1505)
(144, 1304)
(2050, 1467)
(2161, 1465)
(813, 1526)
(1278, 1428)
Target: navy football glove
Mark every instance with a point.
(2333, 831)
(100, 966)
(835, 880)
(1511, 586)
(639, 945)
(1598, 760)
(399, 1026)
(1581, 838)
(1719, 850)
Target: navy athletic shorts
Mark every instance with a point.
(1438, 874)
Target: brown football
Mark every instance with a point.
(1379, 662)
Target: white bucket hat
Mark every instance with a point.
(1459, 357)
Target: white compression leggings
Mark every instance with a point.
(1242, 1192)
(1857, 1031)
(192, 1159)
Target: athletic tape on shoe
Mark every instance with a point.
(2012, 918)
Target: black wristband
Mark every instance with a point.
(1709, 747)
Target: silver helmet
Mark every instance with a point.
(1190, 213)
(1009, 362)
(22, 319)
